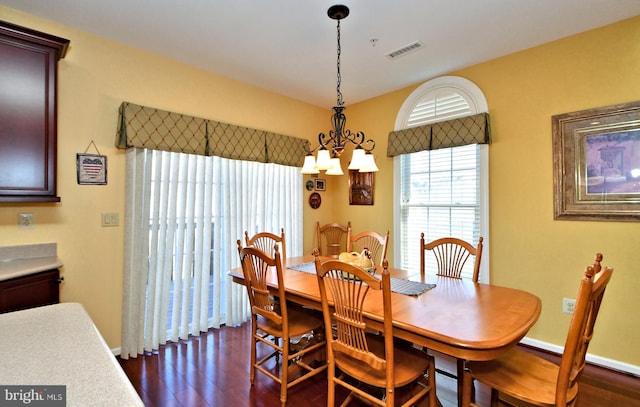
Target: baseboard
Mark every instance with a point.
(593, 359)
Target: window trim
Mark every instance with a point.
(467, 89)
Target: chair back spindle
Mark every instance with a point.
(332, 238)
(372, 241)
(451, 255)
(266, 241)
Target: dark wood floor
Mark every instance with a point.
(213, 370)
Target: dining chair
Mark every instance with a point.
(371, 366)
(451, 255)
(372, 241)
(332, 238)
(531, 379)
(265, 241)
(276, 324)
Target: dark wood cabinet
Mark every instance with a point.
(28, 113)
(30, 291)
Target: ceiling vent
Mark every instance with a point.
(404, 50)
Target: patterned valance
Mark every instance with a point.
(451, 133)
(147, 127)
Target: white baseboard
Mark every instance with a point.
(594, 359)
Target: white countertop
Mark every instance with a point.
(22, 267)
(60, 345)
(18, 261)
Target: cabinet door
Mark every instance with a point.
(28, 123)
(30, 291)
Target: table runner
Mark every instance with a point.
(398, 285)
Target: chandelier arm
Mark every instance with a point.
(371, 142)
(308, 150)
(324, 140)
(355, 138)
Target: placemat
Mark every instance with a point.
(398, 285)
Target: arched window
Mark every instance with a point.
(441, 168)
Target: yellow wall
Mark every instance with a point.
(95, 77)
(529, 250)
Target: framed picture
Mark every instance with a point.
(309, 185)
(320, 185)
(92, 169)
(315, 200)
(360, 187)
(596, 164)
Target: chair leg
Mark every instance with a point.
(460, 374)
(284, 372)
(254, 345)
(331, 389)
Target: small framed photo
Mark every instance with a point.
(320, 185)
(92, 169)
(360, 187)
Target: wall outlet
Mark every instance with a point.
(26, 221)
(568, 304)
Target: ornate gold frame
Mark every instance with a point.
(596, 163)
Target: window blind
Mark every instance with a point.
(440, 197)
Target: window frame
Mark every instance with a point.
(477, 104)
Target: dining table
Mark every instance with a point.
(456, 317)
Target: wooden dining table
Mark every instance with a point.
(457, 317)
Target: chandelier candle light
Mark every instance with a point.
(332, 145)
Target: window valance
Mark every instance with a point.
(147, 127)
(450, 133)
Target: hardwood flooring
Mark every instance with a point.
(212, 369)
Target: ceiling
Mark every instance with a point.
(289, 46)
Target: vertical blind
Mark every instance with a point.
(184, 214)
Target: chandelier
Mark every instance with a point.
(332, 145)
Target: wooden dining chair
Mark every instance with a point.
(531, 379)
(332, 238)
(451, 255)
(274, 323)
(374, 242)
(265, 241)
(371, 366)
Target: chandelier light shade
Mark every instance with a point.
(309, 166)
(331, 145)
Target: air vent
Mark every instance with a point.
(404, 50)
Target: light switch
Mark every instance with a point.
(110, 219)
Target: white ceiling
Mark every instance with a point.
(289, 46)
